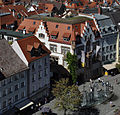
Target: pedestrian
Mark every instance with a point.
(116, 81)
(111, 104)
(45, 100)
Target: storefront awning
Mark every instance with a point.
(24, 104)
(110, 66)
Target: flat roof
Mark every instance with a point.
(73, 20)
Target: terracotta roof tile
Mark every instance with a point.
(66, 35)
(54, 33)
(21, 27)
(30, 41)
(36, 45)
(31, 29)
(29, 47)
(29, 23)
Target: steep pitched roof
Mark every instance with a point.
(6, 18)
(31, 41)
(30, 24)
(10, 63)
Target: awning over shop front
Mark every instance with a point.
(24, 104)
(110, 66)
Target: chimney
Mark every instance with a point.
(99, 10)
(24, 31)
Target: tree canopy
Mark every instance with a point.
(68, 97)
(72, 65)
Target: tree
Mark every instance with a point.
(67, 97)
(72, 65)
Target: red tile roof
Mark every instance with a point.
(29, 23)
(26, 45)
(36, 44)
(54, 33)
(7, 19)
(66, 35)
(21, 27)
(29, 47)
(31, 29)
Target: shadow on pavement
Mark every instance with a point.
(87, 111)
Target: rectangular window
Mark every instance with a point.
(22, 75)
(114, 47)
(16, 97)
(9, 90)
(107, 48)
(9, 80)
(33, 78)
(45, 71)
(68, 28)
(22, 94)
(15, 78)
(64, 50)
(41, 35)
(66, 39)
(4, 104)
(53, 48)
(56, 26)
(45, 62)
(4, 93)
(16, 87)
(3, 82)
(53, 37)
(9, 101)
(34, 23)
(39, 75)
(22, 84)
(10, 38)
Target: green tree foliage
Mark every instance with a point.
(67, 97)
(118, 66)
(72, 65)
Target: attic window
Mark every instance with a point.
(34, 23)
(66, 36)
(56, 26)
(68, 28)
(54, 34)
(29, 48)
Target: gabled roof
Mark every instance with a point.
(30, 24)
(10, 63)
(26, 45)
(7, 18)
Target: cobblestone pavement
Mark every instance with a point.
(105, 108)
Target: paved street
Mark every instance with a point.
(105, 108)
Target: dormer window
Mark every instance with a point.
(68, 28)
(56, 26)
(35, 50)
(54, 34)
(66, 36)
